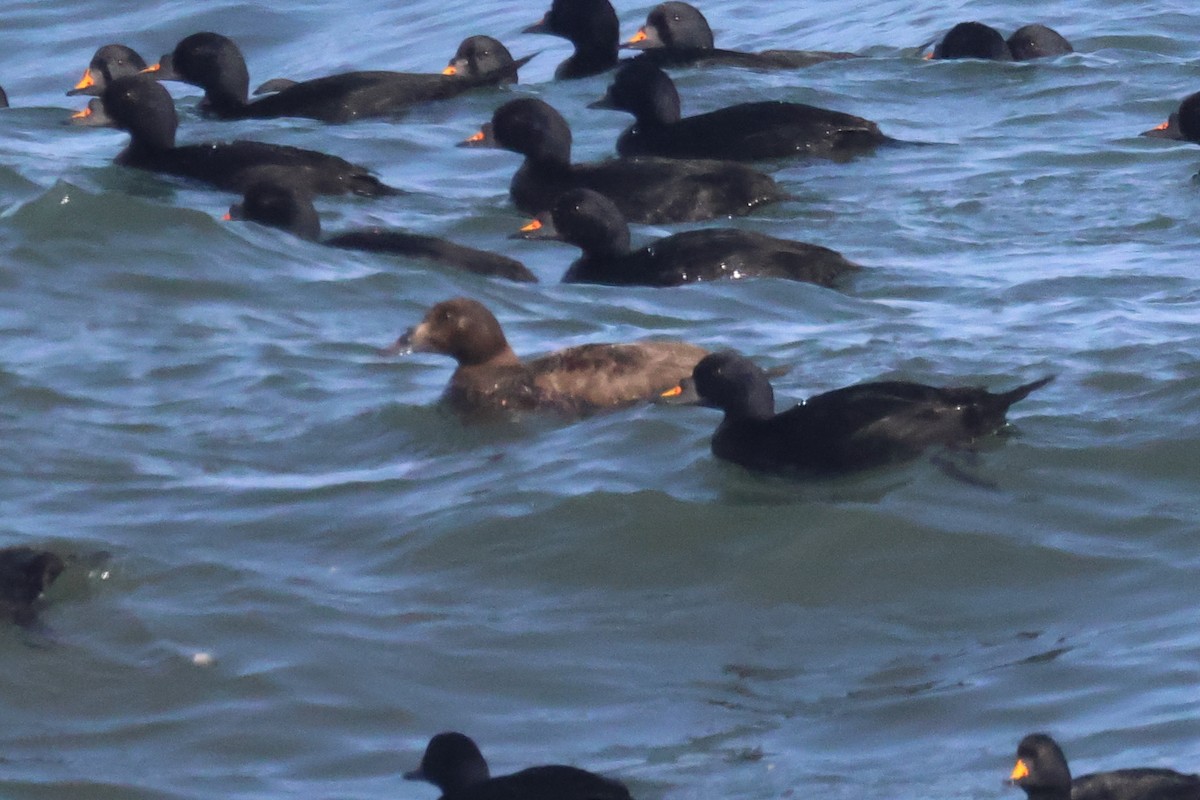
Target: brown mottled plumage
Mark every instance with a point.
(576, 381)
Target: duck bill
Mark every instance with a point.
(541, 26)
(605, 102)
(415, 775)
(484, 137)
(413, 341)
(450, 70)
(164, 70)
(682, 394)
(1020, 770)
(1167, 130)
(86, 85)
(644, 39)
(93, 116)
(540, 227)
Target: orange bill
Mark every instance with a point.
(87, 112)
(928, 56)
(1019, 771)
(1164, 126)
(477, 137)
(153, 68)
(86, 81)
(534, 225)
(640, 36)
(450, 70)
(674, 391)
(227, 217)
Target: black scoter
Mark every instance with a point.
(590, 25)
(491, 379)
(977, 40)
(214, 63)
(646, 190)
(858, 427)
(109, 62)
(1182, 124)
(742, 132)
(677, 35)
(1037, 41)
(291, 209)
(25, 573)
(591, 222)
(140, 105)
(453, 763)
(1042, 772)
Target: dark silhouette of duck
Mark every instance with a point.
(139, 105)
(646, 190)
(491, 379)
(977, 40)
(676, 34)
(1042, 772)
(858, 427)
(25, 574)
(742, 132)
(110, 62)
(290, 208)
(590, 25)
(3, 98)
(214, 63)
(1183, 124)
(591, 222)
(453, 763)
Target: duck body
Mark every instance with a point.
(591, 222)
(978, 40)
(139, 105)
(290, 208)
(453, 763)
(576, 381)
(857, 427)
(646, 190)
(215, 64)
(677, 34)
(1041, 771)
(742, 132)
(1182, 124)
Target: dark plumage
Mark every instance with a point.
(215, 64)
(591, 222)
(139, 105)
(677, 35)
(109, 63)
(1037, 41)
(290, 208)
(1042, 772)
(453, 763)
(742, 132)
(1183, 124)
(575, 381)
(3, 98)
(861, 426)
(647, 190)
(590, 25)
(976, 40)
(25, 574)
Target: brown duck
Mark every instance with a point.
(575, 381)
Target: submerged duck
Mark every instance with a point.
(590, 25)
(25, 574)
(861, 426)
(677, 35)
(1183, 124)
(3, 98)
(291, 209)
(646, 190)
(977, 40)
(140, 105)
(109, 63)
(742, 132)
(1042, 772)
(591, 222)
(215, 64)
(453, 763)
(490, 378)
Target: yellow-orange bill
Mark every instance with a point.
(640, 36)
(153, 68)
(534, 225)
(478, 137)
(87, 112)
(450, 70)
(1019, 771)
(86, 81)
(227, 218)
(674, 391)
(1164, 126)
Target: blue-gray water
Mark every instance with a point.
(203, 401)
